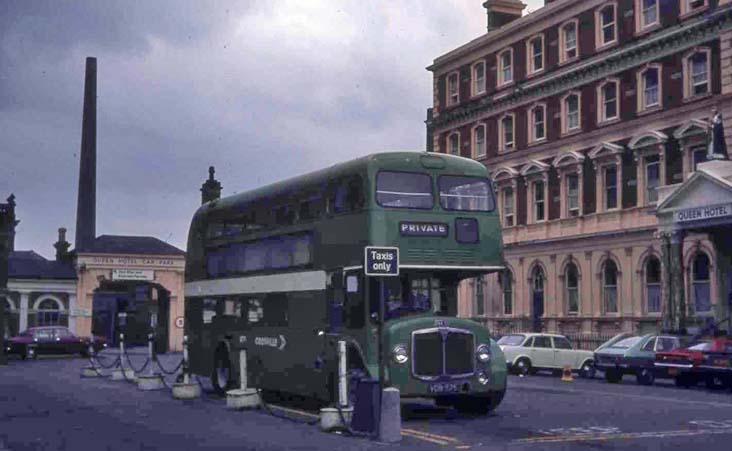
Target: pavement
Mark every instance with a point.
(45, 405)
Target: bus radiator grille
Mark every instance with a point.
(444, 352)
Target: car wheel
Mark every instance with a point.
(222, 377)
(715, 383)
(645, 376)
(523, 367)
(613, 376)
(588, 370)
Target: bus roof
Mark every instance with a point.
(359, 165)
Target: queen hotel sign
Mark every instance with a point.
(703, 213)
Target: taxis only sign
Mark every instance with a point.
(381, 261)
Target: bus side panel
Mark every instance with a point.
(199, 342)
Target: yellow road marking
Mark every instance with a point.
(626, 435)
(426, 439)
(295, 411)
(431, 435)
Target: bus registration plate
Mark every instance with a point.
(443, 388)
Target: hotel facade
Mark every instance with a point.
(590, 114)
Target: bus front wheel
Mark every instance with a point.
(222, 377)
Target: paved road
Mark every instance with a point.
(45, 405)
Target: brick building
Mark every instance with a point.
(584, 111)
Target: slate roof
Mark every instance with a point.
(141, 245)
(29, 265)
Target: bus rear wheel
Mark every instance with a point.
(222, 377)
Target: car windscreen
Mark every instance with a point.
(511, 340)
(465, 193)
(404, 190)
(626, 343)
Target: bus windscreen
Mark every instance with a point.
(465, 193)
(404, 190)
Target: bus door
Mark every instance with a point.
(354, 313)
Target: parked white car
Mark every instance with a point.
(527, 352)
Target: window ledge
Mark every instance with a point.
(694, 98)
(536, 73)
(648, 29)
(606, 122)
(568, 61)
(650, 110)
(572, 132)
(478, 95)
(537, 142)
(504, 85)
(694, 12)
(605, 46)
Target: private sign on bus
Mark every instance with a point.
(287, 261)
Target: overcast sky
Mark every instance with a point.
(262, 90)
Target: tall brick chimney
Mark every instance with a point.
(501, 12)
(86, 210)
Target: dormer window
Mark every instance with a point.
(505, 67)
(453, 89)
(568, 41)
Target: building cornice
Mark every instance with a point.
(506, 35)
(664, 43)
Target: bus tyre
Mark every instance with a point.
(613, 376)
(523, 367)
(496, 398)
(645, 376)
(222, 376)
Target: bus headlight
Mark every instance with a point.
(400, 353)
(483, 353)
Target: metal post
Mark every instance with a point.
(382, 382)
(342, 375)
(243, 369)
(91, 346)
(122, 351)
(150, 352)
(186, 373)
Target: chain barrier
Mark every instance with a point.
(129, 362)
(170, 373)
(114, 363)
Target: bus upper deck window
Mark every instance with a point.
(465, 193)
(404, 190)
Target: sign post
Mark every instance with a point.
(381, 262)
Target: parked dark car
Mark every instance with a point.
(636, 355)
(50, 340)
(687, 365)
(716, 366)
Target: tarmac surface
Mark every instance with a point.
(46, 405)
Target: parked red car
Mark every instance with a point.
(689, 366)
(50, 340)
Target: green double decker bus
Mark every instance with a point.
(279, 271)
